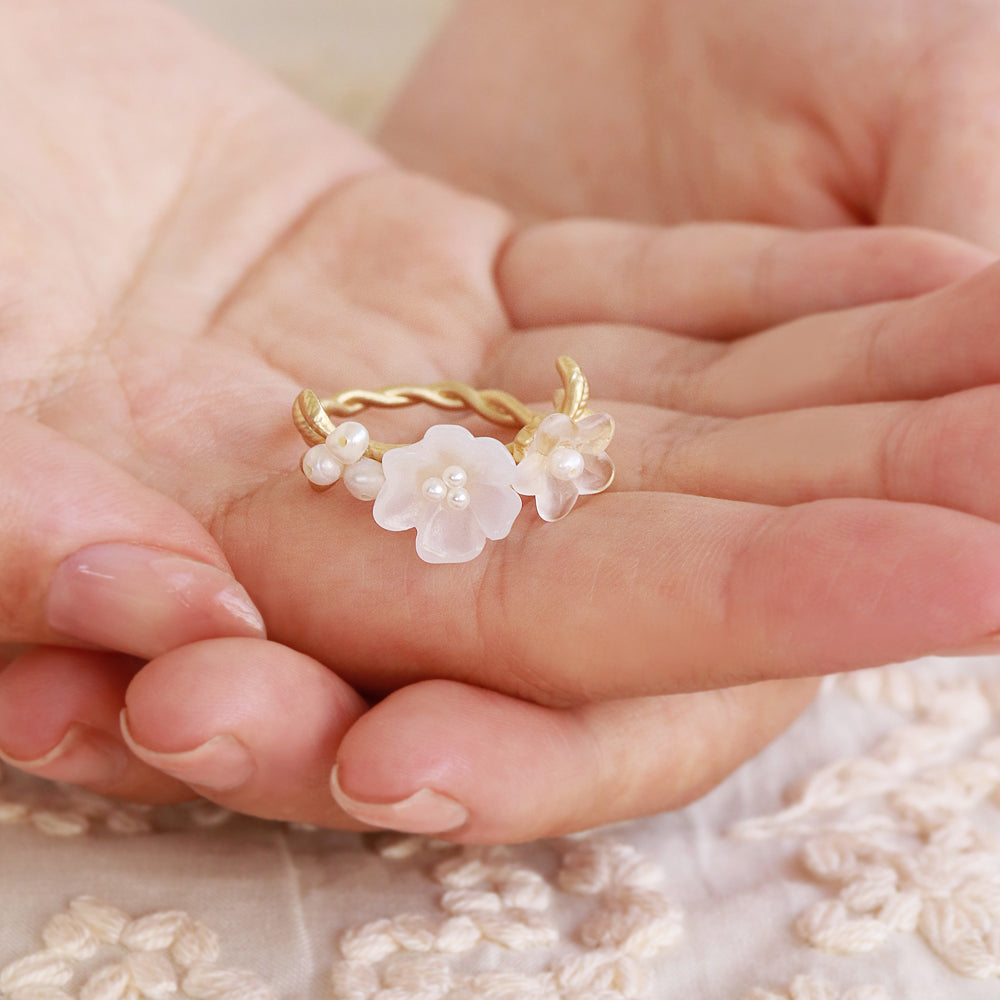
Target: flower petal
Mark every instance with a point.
(594, 432)
(407, 464)
(400, 504)
(450, 536)
(496, 508)
(488, 461)
(598, 471)
(555, 429)
(447, 443)
(555, 500)
(531, 474)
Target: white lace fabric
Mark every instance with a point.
(858, 858)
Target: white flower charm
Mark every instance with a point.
(566, 458)
(455, 489)
(342, 455)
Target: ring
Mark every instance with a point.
(458, 490)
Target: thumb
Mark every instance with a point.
(471, 765)
(88, 555)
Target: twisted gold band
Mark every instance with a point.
(312, 415)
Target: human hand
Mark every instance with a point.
(199, 247)
(670, 112)
(812, 115)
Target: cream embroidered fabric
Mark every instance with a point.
(858, 858)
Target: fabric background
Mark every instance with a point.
(905, 756)
(885, 882)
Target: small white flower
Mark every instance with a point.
(455, 489)
(566, 459)
(342, 454)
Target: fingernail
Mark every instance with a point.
(218, 764)
(84, 756)
(425, 811)
(146, 601)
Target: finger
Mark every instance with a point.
(679, 592)
(461, 762)
(943, 342)
(59, 712)
(92, 556)
(716, 280)
(942, 451)
(249, 724)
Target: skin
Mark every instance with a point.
(186, 245)
(669, 111)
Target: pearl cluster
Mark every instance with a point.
(476, 496)
(342, 455)
(450, 488)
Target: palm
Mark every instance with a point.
(229, 234)
(239, 248)
(772, 111)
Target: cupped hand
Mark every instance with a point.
(819, 114)
(185, 246)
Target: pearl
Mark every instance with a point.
(364, 479)
(458, 499)
(348, 442)
(565, 463)
(455, 476)
(320, 467)
(434, 489)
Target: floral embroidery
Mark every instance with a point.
(152, 957)
(493, 900)
(904, 836)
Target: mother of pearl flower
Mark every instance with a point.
(455, 489)
(566, 459)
